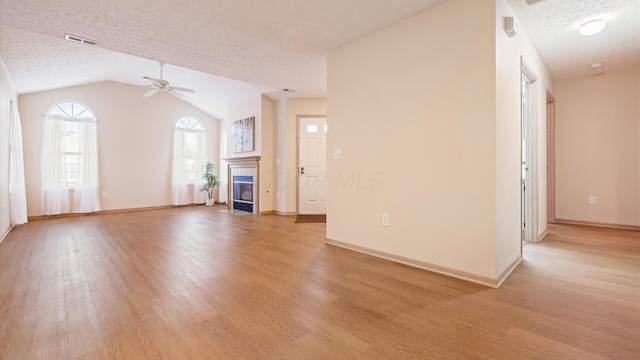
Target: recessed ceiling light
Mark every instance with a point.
(596, 64)
(592, 27)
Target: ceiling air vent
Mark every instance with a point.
(527, 3)
(80, 40)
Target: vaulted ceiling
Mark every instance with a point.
(229, 50)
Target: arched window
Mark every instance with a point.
(189, 123)
(69, 159)
(189, 155)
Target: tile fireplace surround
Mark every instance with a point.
(244, 166)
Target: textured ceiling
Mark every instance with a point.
(264, 46)
(39, 62)
(276, 43)
(553, 27)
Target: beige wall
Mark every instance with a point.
(135, 138)
(267, 175)
(508, 130)
(428, 119)
(598, 148)
(413, 109)
(286, 150)
(263, 109)
(7, 93)
(243, 110)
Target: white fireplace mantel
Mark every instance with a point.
(242, 160)
(244, 166)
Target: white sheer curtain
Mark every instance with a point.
(86, 198)
(69, 160)
(16, 169)
(189, 156)
(55, 193)
(200, 160)
(224, 152)
(179, 174)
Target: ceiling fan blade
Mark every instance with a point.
(178, 95)
(182, 89)
(150, 93)
(151, 79)
(157, 82)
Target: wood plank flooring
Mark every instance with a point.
(196, 283)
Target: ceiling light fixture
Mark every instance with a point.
(592, 27)
(596, 65)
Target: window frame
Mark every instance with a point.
(70, 119)
(191, 127)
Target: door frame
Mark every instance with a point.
(297, 177)
(551, 158)
(531, 134)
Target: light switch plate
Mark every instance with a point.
(385, 220)
(337, 154)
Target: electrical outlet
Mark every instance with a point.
(385, 220)
(104, 195)
(592, 200)
(337, 154)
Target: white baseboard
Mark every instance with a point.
(6, 233)
(286, 213)
(506, 272)
(599, 224)
(463, 275)
(541, 237)
(40, 217)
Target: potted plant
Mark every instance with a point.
(210, 181)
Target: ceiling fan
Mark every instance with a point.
(163, 85)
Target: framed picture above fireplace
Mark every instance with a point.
(244, 135)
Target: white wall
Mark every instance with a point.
(508, 129)
(598, 148)
(135, 137)
(7, 93)
(413, 109)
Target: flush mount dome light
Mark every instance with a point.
(596, 65)
(592, 27)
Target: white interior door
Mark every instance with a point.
(529, 157)
(312, 166)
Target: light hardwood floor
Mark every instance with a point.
(195, 283)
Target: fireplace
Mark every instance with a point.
(243, 193)
(244, 184)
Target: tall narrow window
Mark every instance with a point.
(189, 155)
(69, 159)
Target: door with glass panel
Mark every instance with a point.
(312, 165)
